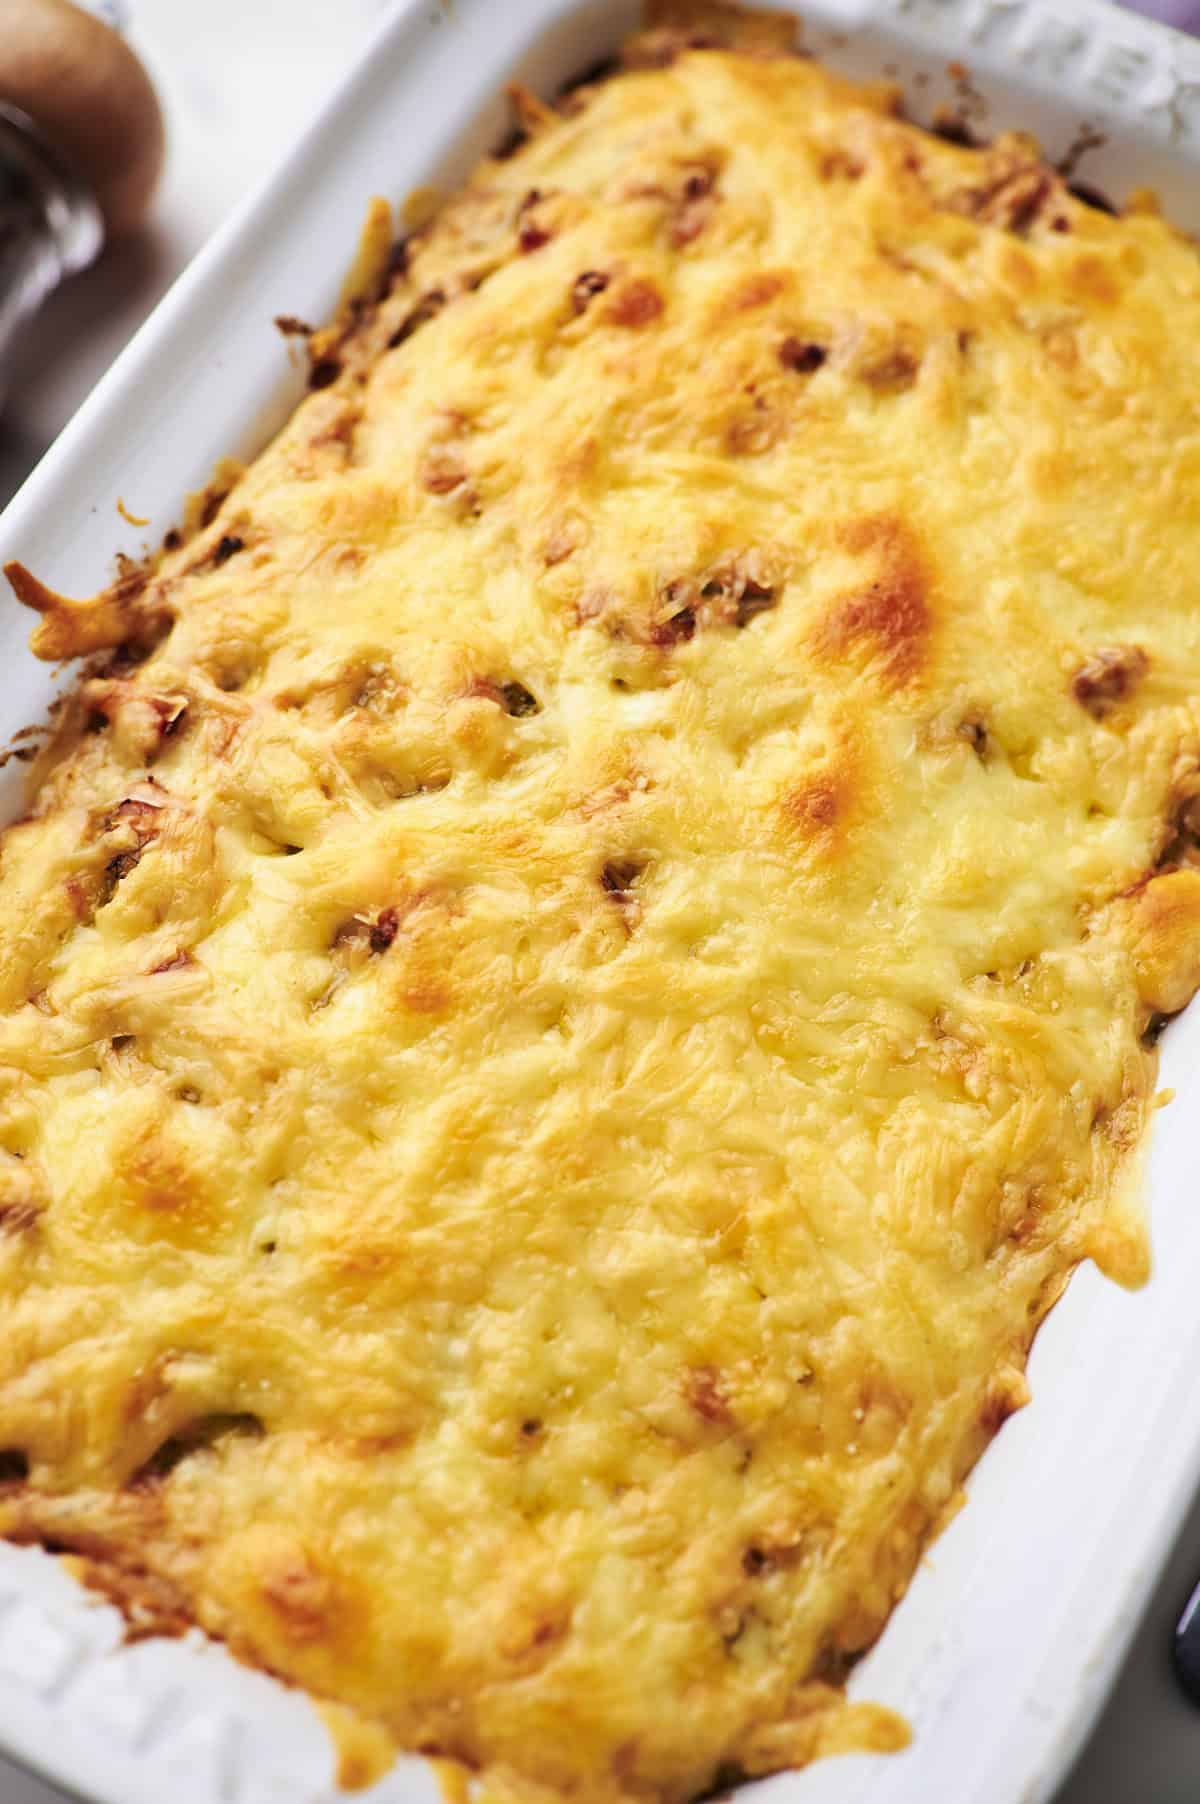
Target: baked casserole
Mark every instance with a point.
(584, 960)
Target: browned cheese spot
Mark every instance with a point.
(703, 1391)
(635, 303)
(1109, 676)
(756, 290)
(19, 1217)
(532, 233)
(680, 624)
(817, 807)
(887, 622)
(586, 287)
(893, 371)
(160, 1179)
(736, 589)
(675, 26)
(801, 355)
(518, 701)
(370, 932)
(695, 207)
(514, 698)
(975, 732)
(300, 1598)
(1093, 281)
(558, 547)
(618, 877)
(841, 166)
(756, 427)
(178, 961)
(441, 473)
(14, 1467)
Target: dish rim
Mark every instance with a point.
(188, 321)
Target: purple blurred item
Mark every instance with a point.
(1184, 15)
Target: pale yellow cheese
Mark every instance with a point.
(571, 1000)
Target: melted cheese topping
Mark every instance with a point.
(577, 986)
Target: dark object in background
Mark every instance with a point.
(1185, 1648)
(81, 147)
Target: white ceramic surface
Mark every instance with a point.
(1005, 1646)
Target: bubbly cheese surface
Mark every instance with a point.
(578, 974)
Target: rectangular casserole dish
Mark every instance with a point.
(1002, 1650)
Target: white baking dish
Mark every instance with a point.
(1005, 1646)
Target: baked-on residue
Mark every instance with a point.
(584, 960)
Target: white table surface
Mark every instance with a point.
(238, 79)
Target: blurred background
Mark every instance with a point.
(238, 80)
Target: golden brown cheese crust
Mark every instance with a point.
(579, 986)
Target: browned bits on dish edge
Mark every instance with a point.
(1109, 676)
(1017, 204)
(997, 1407)
(427, 308)
(1094, 198)
(226, 548)
(952, 128)
(324, 373)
